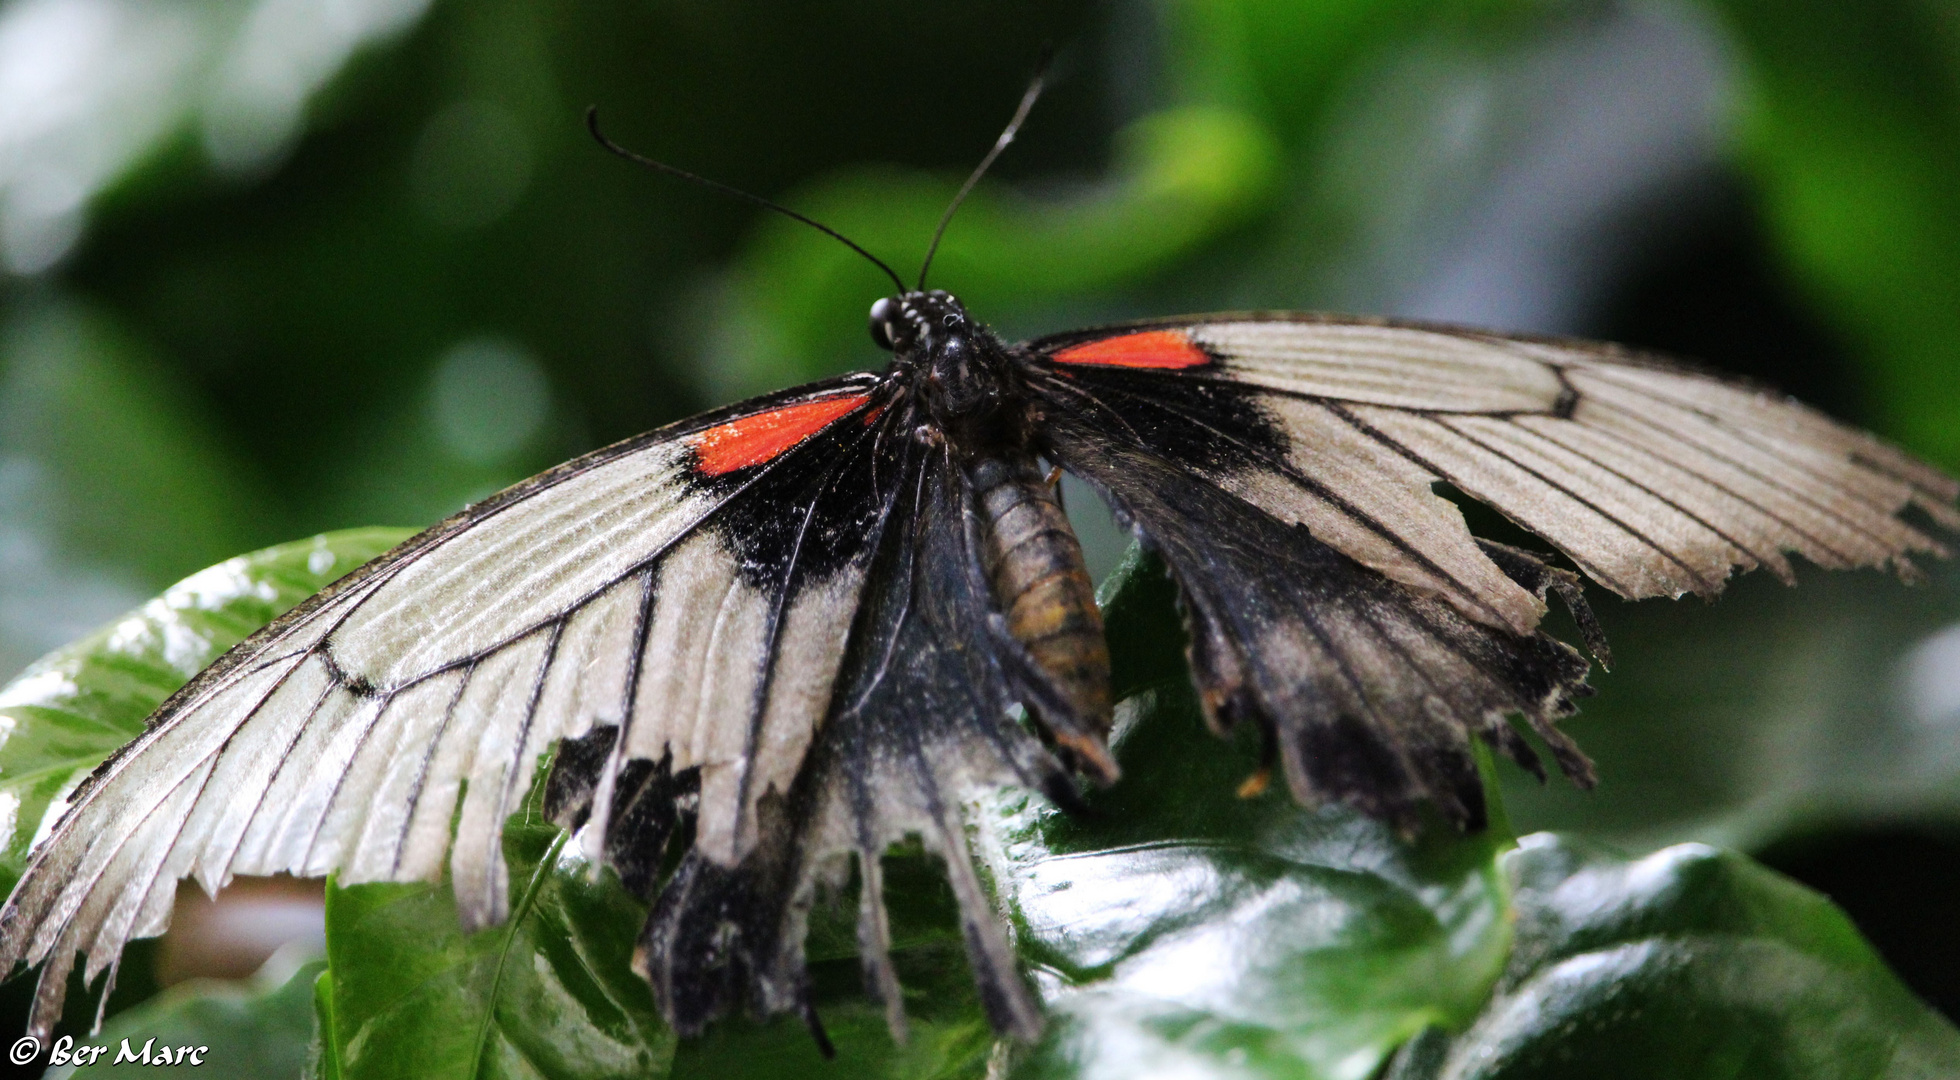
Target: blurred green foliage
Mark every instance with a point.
(269, 267)
(250, 1031)
(1851, 130)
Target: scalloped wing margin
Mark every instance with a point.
(1367, 690)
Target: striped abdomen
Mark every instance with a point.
(1035, 565)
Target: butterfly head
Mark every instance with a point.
(914, 322)
(961, 368)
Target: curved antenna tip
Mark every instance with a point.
(1028, 98)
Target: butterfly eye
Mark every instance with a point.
(881, 323)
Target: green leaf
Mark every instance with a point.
(1175, 926)
(552, 994)
(1181, 928)
(1690, 962)
(76, 705)
(239, 1030)
(1177, 922)
(548, 994)
(949, 1033)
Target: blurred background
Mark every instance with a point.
(271, 267)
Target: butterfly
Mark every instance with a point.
(779, 637)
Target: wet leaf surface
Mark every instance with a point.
(1689, 962)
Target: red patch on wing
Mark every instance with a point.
(1150, 349)
(753, 440)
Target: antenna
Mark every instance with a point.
(1006, 136)
(592, 125)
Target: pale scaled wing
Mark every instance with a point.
(685, 587)
(1653, 479)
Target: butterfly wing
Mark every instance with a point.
(684, 588)
(1285, 466)
(920, 721)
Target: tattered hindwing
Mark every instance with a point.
(771, 630)
(1284, 467)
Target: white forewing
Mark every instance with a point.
(546, 556)
(1654, 480)
(809, 653)
(1380, 365)
(414, 701)
(708, 625)
(380, 794)
(1379, 508)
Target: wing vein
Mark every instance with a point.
(1582, 500)
(1628, 444)
(204, 762)
(422, 773)
(772, 631)
(1832, 484)
(1333, 498)
(523, 736)
(1394, 444)
(602, 795)
(360, 743)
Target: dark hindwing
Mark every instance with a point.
(1368, 689)
(921, 719)
(680, 592)
(1285, 468)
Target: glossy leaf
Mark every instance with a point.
(1176, 922)
(548, 994)
(949, 1034)
(1690, 962)
(76, 705)
(1176, 926)
(1183, 928)
(551, 994)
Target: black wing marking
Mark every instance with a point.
(1368, 687)
(1265, 456)
(344, 735)
(920, 720)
